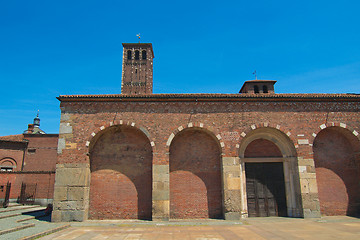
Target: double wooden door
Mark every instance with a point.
(265, 188)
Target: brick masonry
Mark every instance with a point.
(292, 125)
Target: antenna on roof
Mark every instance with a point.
(255, 74)
(138, 35)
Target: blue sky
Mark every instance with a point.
(52, 48)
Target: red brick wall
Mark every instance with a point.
(262, 148)
(195, 178)
(41, 154)
(44, 181)
(121, 175)
(229, 120)
(12, 150)
(337, 171)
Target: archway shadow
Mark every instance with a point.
(127, 152)
(197, 152)
(337, 150)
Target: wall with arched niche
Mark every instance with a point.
(195, 175)
(121, 174)
(336, 156)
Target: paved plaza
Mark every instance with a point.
(252, 228)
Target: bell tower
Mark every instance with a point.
(137, 68)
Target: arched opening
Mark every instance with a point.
(195, 175)
(137, 55)
(265, 185)
(336, 156)
(129, 54)
(256, 89)
(121, 174)
(7, 164)
(143, 54)
(269, 169)
(265, 89)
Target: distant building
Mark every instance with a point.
(30, 159)
(139, 155)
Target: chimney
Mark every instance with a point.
(30, 128)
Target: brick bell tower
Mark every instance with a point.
(137, 68)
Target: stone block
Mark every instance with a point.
(77, 216)
(65, 128)
(77, 193)
(60, 193)
(160, 169)
(72, 177)
(70, 205)
(313, 186)
(232, 184)
(230, 161)
(232, 201)
(61, 145)
(161, 195)
(304, 184)
(161, 186)
(56, 216)
(232, 216)
(161, 210)
(311, 214)
(161, 177)
(64, 117)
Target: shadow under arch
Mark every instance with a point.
(195, 175)
(286, 154)
(121, 174)
(336, 156)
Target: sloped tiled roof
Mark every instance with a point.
(214, 96)
(13, 138)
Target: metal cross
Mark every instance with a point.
(255, 74)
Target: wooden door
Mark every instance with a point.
(265, 188)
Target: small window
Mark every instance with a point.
(137, 55)
(143, 54)
(6, 169)
(256, 89)
(129, 54)
(265, 89)
(31, 150)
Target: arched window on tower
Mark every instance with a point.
(129, 54)
(137, 55)
(265, 89)
(256, 89)
(143, 54)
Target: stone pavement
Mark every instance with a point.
(252, 228)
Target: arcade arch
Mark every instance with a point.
(195, 175)
(121, 174)
(268, 162)
(336, 157)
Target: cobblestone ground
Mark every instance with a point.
(255, 228)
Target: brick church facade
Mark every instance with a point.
(139, 155)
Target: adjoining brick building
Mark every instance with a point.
(29, 159)
(139, 155)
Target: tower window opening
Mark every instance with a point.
(137, 55)
(265, 89)
(136, 70)
(143, 54)
(129, 54)
(256, 89)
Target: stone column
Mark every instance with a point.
(71, 192)
(161, 193)
(309, 190)
(231, 188)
